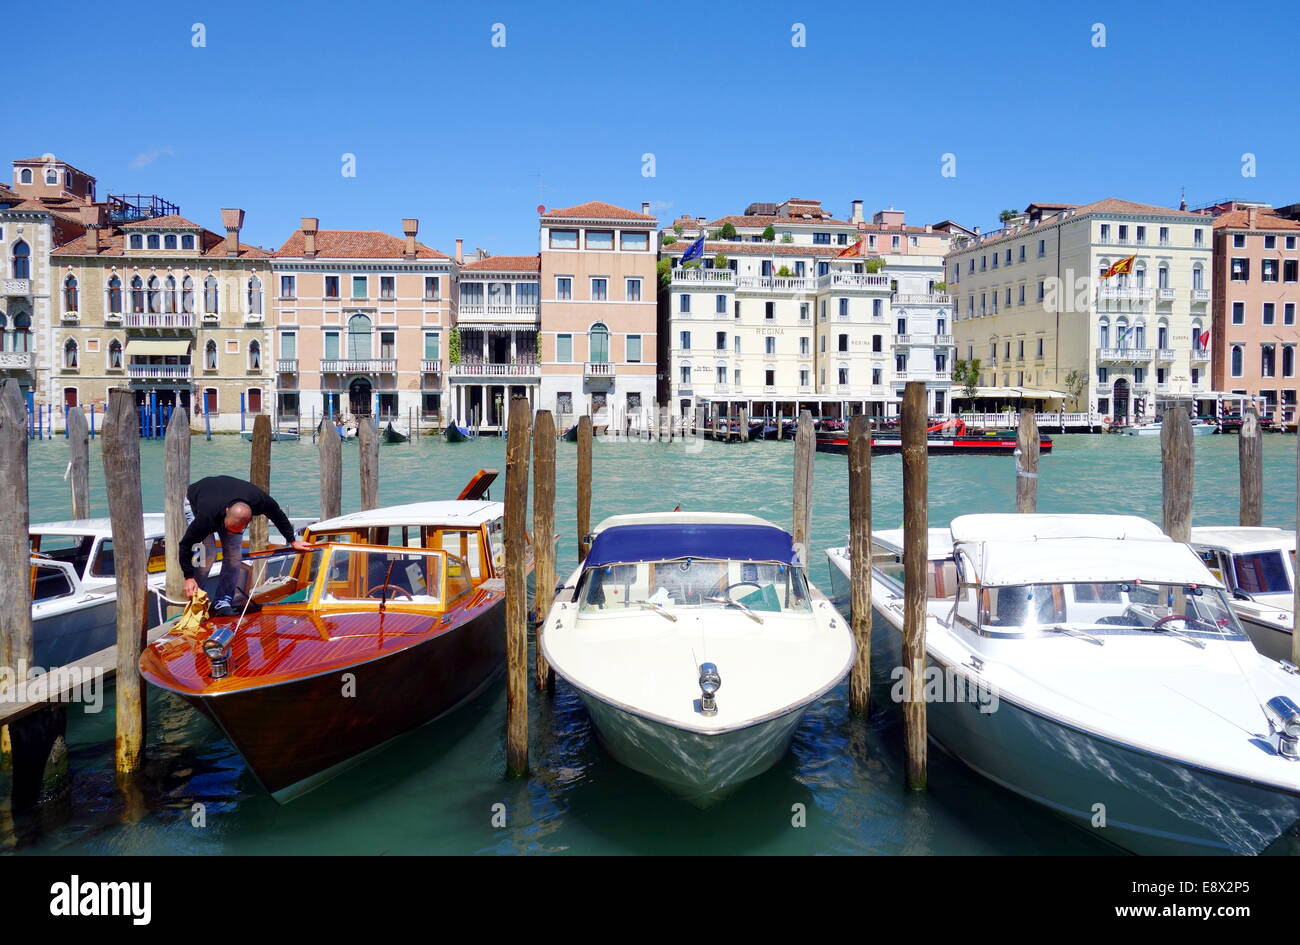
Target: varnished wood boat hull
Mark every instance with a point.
(298, 734)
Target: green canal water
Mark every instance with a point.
(436, 790)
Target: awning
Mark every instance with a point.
(142, 348)
(624, 544)
(1028, 393)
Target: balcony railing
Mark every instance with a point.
(944, 340)
(16, 360)
(1164, 295)
(720, 277)
(902, 339)
(495, 369)
(503, 313)
(1125, 354)
(1165, 354)
(852, 280)
(15, 287)
(1200, 295)
(598, 369)
(71, 316)
(430, 366)
(159, 320)
(776, 283)
(933, 298)
(1200, 354)
(158, 371)
(359, 365)
(286, 365)
(1125, 293)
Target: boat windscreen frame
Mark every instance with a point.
(580, 585)
(320, 582)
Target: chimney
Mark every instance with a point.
(410, 226)
(856, 215)
(92, 217)
(977, 231)
(309, 226)
(460, 251)
(645, 207)
(1251, 216)
(929, 228)
(232, 220)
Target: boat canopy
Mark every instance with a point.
(1005, 563)
(624, 544)
(1030, 527)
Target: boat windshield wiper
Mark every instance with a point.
(744, 608)
(657, 608)
(1075, 632)
(1158, 628)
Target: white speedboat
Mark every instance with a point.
(1094, 666)
(1199, 428)
(697, 644)
(1258, 567)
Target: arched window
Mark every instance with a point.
(1140, 334)
(210, 355)
(137, 294)
(254, 296)
(359, 337)
(70, 294)
(169, 295)
(70, 353)
(1197, 343)
(169, 241)
(1198, 277)
(137, 241)
(1121, 333)
(25, 176)
(1238, 359)
(153, 241)
(1162, 334)
(1140, 275)
(1103, 333)
(115, 355)
(599, 341)
(187, 241)
(22, 333)
(52, 177)
(211, 297)
(1162, 276)
(155, 294)
(187, 296)
(22, 260)
(254, 356)
(115, 295)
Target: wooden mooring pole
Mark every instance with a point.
(1027, 444)
(516, 551)
(1177, 466)
(543, 535)
(331, 470)
(176, 482)
(860, 560)
(584, 484)
(259, 474)
(1250, 456)
(121, 435)
(805, 442)
(79, 460)
(1295, 603)
(916, 523)
(368, 464)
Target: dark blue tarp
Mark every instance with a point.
(668, 542)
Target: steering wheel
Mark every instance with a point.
(390, 587)
(726, 592)
(1185, 618)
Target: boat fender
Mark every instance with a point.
(1105, 419)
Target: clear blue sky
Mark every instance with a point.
(452, 130)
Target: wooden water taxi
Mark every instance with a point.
(951, 436)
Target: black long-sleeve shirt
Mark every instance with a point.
(209, 499)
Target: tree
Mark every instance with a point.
(667, 240)
(784, 273)
(728, 231)
(1076, 382)
(1006, 216)
(665, 269)
(875, 264)
(678, 229)
(769, 234)
(720, 261)
(453, 346)
(941, 287)
(967, 374)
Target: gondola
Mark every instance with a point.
(458, 434)
(570, 435)
(394, 435)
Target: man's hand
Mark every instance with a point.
(301, 545)
(191, 587)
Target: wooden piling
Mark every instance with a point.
(1177, 464)
(805, 441)
(331, 470)
(1250, 457)
(1295, 603)
(744, 425)
(584, 484)
(916, 523)
(79, 459)
(176, 481)
(516, 552)
(259, 474)
(1027, 444)
(368, 440)
(121, 433)
(543, 535)
(860, 560)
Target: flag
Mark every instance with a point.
(1121, 267)
(854, 250)
(1204, 340)
(695, 250)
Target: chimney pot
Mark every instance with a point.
(410, 227)
(645, 207)
(92, 217)
(309, 226)
(1251, 216)
(460, 250)
(233, 221)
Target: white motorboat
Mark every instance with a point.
(1094, 666)
(1199, 428)
(697, 644)
(1258, 567)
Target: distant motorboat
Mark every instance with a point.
(1258, 566)
(1152, 428)
(277, 436)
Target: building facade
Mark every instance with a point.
(166, 308)
(1256, 290)
(360, 323)
(598, 326)
(1030, 307)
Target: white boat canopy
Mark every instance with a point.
(1007, 563)
(1004, 526)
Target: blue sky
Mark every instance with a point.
(448, 128)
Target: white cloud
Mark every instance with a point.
(145, 158)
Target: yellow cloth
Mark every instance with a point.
(196, 612)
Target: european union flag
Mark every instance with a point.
(695, 250)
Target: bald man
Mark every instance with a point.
(221, 507)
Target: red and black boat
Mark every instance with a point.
(950, 436)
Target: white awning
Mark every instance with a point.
(142, 348)
(1028, 393)
(1021, 527)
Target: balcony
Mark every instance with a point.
(15, 288)
(721, 388)
(1123, 293)
(1200, 295)
(933, 298)
(1165, 295)
(286, 366)
(804, 389)
(430, 366)
(489, 369)
(1125, 354)
(359, 366)
(517, 313)
(158, 372)
(852, 280)
(1166, 354)
(69, 316)
(945, 340)
(1200, 354)
(691, 276)
(171, 320)
(902, 339)
(780, 284)
(599, 369)
(17, 360)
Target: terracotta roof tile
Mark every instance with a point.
(1240, 220)
(597, 210)
(1115, 205)
(170, 221)
(506, 264)
(355, 244)
(114, 244)
(759, 249)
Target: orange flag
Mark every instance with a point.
(854, 250)
(1121, 267)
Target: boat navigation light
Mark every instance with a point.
(710, 683)
(215, 647)
(1287, 717)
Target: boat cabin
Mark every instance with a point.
(85, 547)
(1254, 563)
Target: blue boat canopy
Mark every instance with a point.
(624, 544)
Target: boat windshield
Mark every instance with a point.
(1100, 607)
(760, 587)
(399, 576)
(1261, 572)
